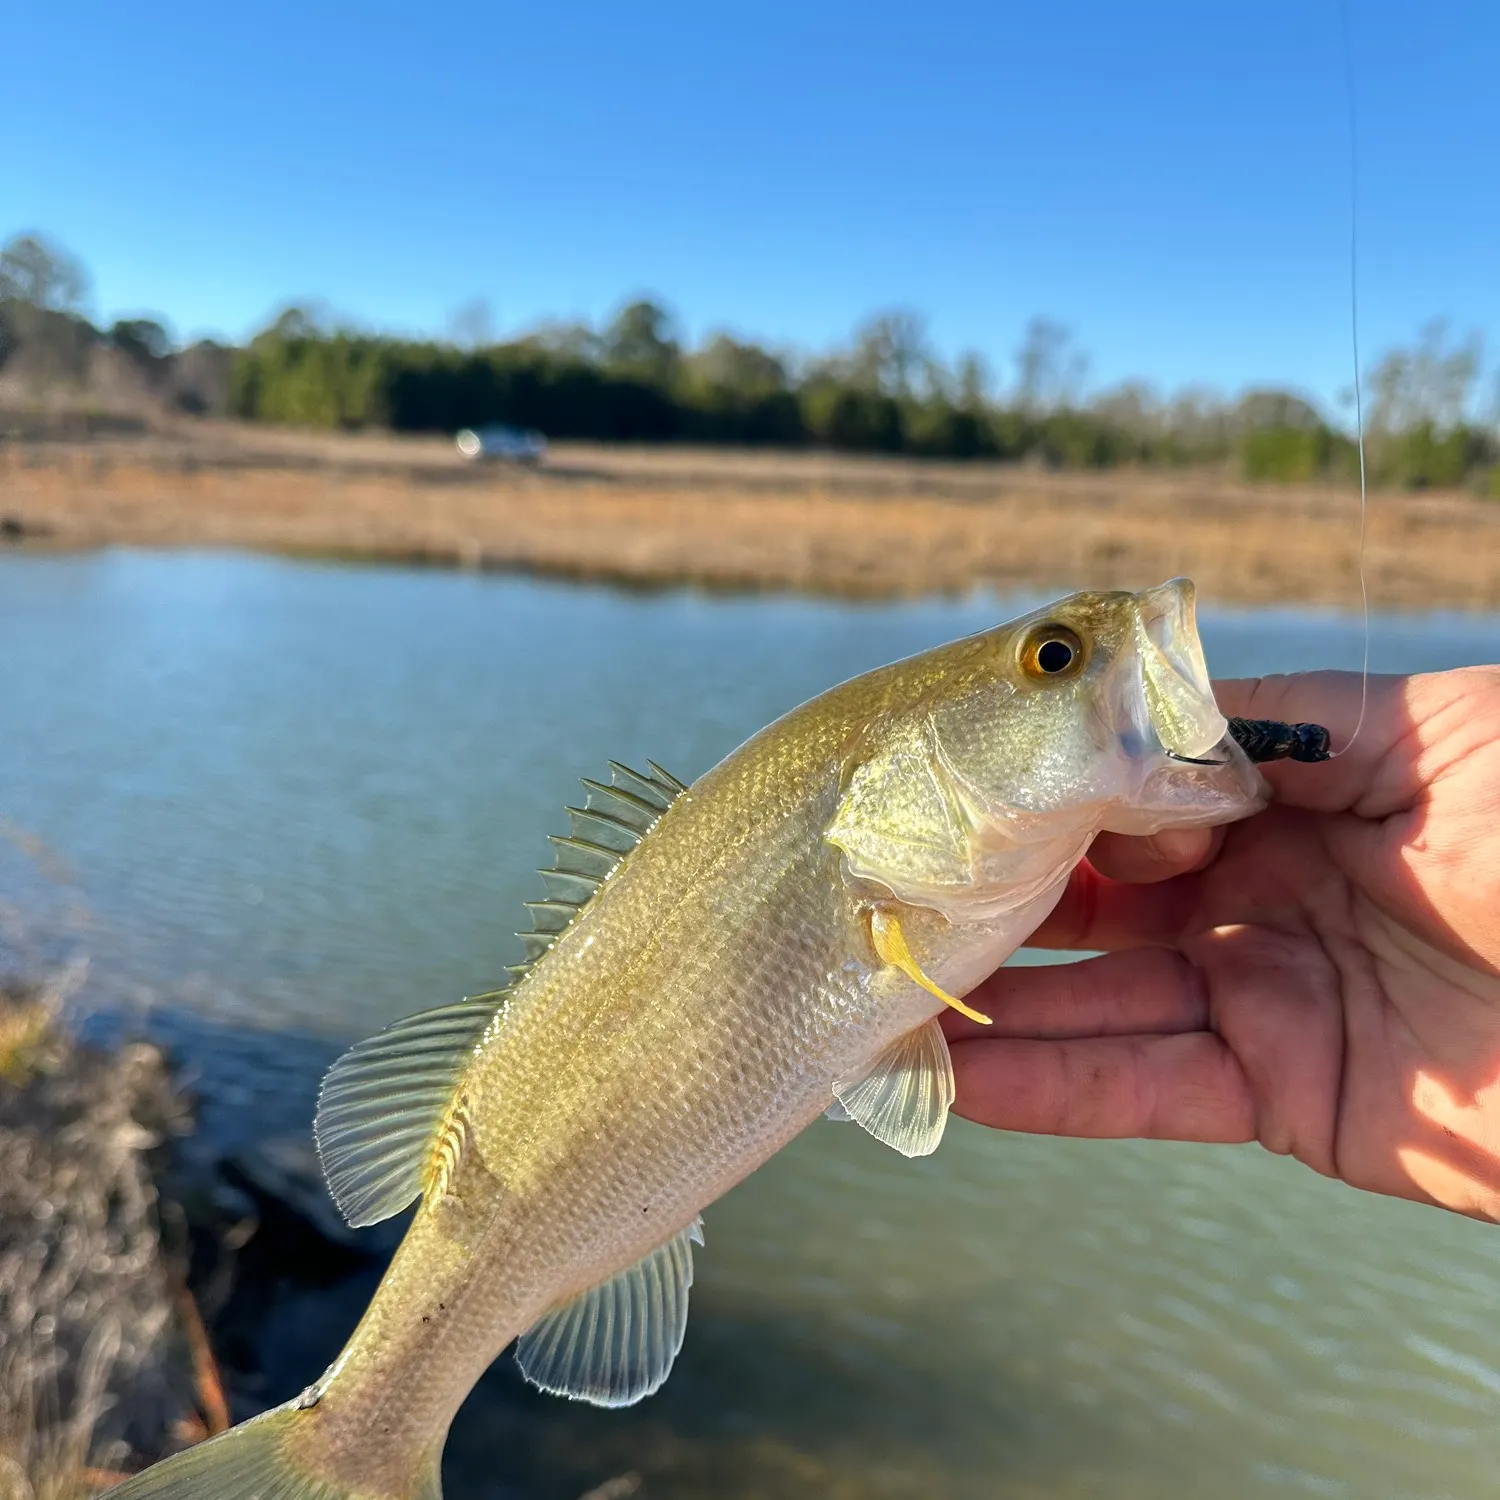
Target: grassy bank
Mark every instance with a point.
(832, 524)
(102, 1356)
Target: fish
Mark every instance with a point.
(712, 968)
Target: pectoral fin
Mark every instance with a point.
(904, 1099)
(891, 948)
(615, 1343)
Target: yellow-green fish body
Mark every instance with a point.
(716, 967)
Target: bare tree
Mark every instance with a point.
(891, 352)
(1428, 383)
(1050, 368)
(471, 325)
(571, 340)
(1132, 405)
(42, 289)
(41, 274)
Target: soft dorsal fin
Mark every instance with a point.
(388, 1124)
(904, 1099)
(614, 818)
(615, 1343)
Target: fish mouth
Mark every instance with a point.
(1173, 676)
(1191, 772)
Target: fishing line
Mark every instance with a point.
(1352, 124)
(1270, 739)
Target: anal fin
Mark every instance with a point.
(615, 1343)
(905, 1097)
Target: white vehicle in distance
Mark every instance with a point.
(500, 442)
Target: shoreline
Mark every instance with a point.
(157, 1295)
(746, 521)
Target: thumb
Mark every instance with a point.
(1340, 703)
(1161, 856)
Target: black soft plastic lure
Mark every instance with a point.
(1270, 739)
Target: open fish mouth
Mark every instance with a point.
(1186, 767)
(1174, 682)
(1179, 696)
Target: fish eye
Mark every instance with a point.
(1051, 651)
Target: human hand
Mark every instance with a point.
(1323, 978)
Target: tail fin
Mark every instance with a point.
(254, 1462)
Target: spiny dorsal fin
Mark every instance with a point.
(389, 1124)
(614, 818)
(615, 1343)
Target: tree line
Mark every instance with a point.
(636, 379)
(50, 351)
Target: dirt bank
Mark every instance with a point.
(816, 522)
(96, 1331)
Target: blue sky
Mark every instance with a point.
(1170, 179)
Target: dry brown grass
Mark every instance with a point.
(94, 1366)
(854, 526)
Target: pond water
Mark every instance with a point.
(305, 799)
